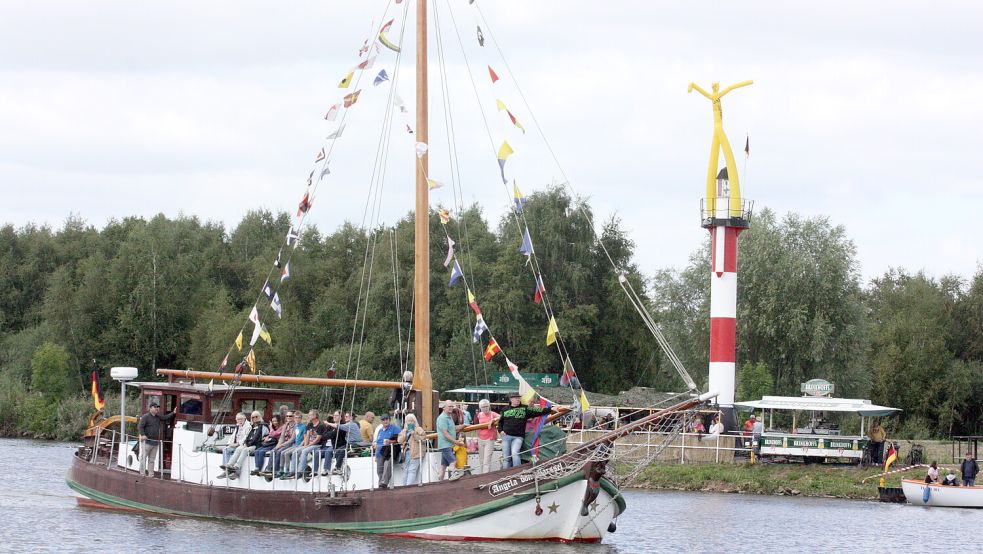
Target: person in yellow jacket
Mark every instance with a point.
(877, 436)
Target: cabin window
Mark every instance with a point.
(191, 405)
(221, 405)
(248, 406)
(151, 398)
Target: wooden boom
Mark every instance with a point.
(250, 378)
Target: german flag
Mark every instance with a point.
(892, 456)
(97, 398)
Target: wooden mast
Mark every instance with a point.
(421, 276)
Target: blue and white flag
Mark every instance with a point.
(267, 290)
(479, 329)
(277, 306)
(456, 274)
(526, 247)
(380, 78)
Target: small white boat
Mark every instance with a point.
(920, 493)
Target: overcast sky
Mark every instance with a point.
(867, 112)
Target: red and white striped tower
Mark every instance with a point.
(725, 225)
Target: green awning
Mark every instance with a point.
(817, 404)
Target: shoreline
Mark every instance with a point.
(813, 480)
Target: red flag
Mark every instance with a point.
(540, 289)
(97, 398)
(320, 156)
(350, 99)
(491, 73)
(305, 204)
(492, 349)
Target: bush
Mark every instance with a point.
(49, 371)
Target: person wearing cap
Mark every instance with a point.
(969, 469)
(512, 426)
(151, 431)
(447, 437)
(386, 449)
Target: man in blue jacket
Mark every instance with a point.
(969, 468)
(386, 448)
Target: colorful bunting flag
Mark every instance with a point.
(97, 400)
(551, 332)
(398, 100)
(277, 306)
(492, 349)
(336, 133)
(537, 296)
(491, 73)
(320, 156)
(481, 37)
(569, 376)
(254, 317)
(347, 80)
(434, 184)
(473, 304)
(350, 99)
(324, 171)
(584, 404)
(332, 113)
(285, 272)
(501, 106)
(503, 154)
(265, 335)
(310, 178)
(421, 149)
(380, 78)
(367, 64)
(211, 383)
(525, 389)
(526, 247)
(267, 290)
(292, 240)
(517, 198)
(276, 262)
(445, 215)
(225, 362)
(479, 329)
(456, 273)
(364, 49)
(251, 360)
(450, 251)
(305, 203)
(239, 342)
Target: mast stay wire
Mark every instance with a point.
(632, 297)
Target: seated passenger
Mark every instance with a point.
(317, 438)
(338, 438)
(933, 474)
(241, 454)
(950, 480)
(289, 428)
(242, 431)
(291, 455)
(268, 443)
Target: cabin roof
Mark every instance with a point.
(204, 388)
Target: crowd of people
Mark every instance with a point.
(968, 469)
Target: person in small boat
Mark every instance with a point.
(151, 430)
(446, 437)
(969, 469)
(243, 427)
(950, 480)
(933, 473)
(486, 437)
(415, 437)
(386, 450)
(317, 434)
(241, 456)
(512, 426)
(267, 444)
(291, 455)
(366, 429)
(289, 429)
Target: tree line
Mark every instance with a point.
(174, 292)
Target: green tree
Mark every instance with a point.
(50, 374)
(754, 381)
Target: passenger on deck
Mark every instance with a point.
(291, 454)
(416, 437)
(268, 443)
(243, 428)
(317, 433)
(950, 480)
(933, 474)
(242, 453)
(386, 450)
(354, 433)
(151, 431)
(284, 409)
(289, 430)
(512, 425)
(338, 441)
(486, 437)
(446, 437)
(716, 427)
(366, 429)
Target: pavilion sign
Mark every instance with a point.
(817, 387)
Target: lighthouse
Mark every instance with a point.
(725, 214)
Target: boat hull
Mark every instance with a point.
(463, 509)
(950, 497)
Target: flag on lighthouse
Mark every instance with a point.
(492, 349)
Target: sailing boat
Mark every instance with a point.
(570, 497)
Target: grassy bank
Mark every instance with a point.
(774, 479)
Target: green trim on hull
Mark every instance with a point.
(381, 527)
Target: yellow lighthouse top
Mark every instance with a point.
(720, 142)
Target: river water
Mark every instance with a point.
(39, 514)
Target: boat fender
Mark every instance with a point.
(612, 527)
(926, 494)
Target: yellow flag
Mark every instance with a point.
(347, 80)
(471, 299)
(505, 151)
(584, 404)
(501, 105)
(239, 342)
(551, 332)
(434, 184)
(251, 360)
(265, 335)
